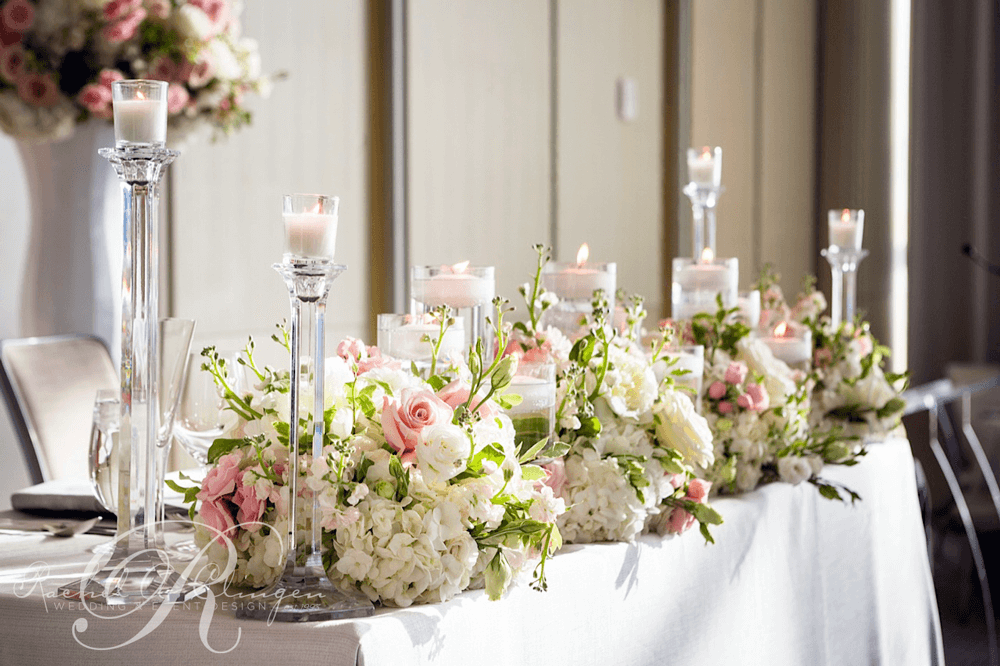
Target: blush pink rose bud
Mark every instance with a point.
(736, 373)
(117, 9)
(698, 490)
(177, 98)
(96, 99)
(716, 390)
(218, 518)
(555, 475)
(109, 76)
(12, 60)
(352, 349)
(680, 521)
(375, 360)
(745, 401)
(221, 479)
(17, 15)
(125, 29)
(758, 394)
(250, 509)
(457, 393)
(725, 407)
(38, 90)
(405, 419)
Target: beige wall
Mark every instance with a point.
(486, 180)
(308, 137)
(753, 93)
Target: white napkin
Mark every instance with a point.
(73, 495)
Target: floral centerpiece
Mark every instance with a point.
(629, 443)
(58, 59)
(421, 492)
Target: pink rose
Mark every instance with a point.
(555, 476)
(12, 63)
(736, 373)
(698, 490)
(117, 9)
(513, 347)
(758, 394)
(376, 360)
(405, 419)
(745, 401)
(38, 90)
(250, 509)
(200, 73)
(457, 393)
(716, 390)
(163, 69)
(221, 479)
(159, 8)
(96, 99)
(109, 76)
(352, 349)
(218, 517)
(17, 15)
(217, 11)
(177, 98)
(725, 407)
(680, 521)
(537, 354)
(125, 29)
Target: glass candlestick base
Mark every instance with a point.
(303, 593)
(843, 291)
(703, 198)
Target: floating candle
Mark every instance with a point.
(578, 281)
(411, 337)
(791, 343)
(705, 166)
(697, 285)
(457, 286)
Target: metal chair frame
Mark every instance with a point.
(934, 399)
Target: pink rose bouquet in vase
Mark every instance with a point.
(626, 443)
(58, 59)
(422, 494)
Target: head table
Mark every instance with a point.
(793, 579)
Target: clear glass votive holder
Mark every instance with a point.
(103, 458)
(310, 223)
(846, 229)
(140, 112)
(467, 290)
(574, 284)
(690, 359)
(535, 417)
(791, 342)
(697, 283)
(412, 338)
(749, 304)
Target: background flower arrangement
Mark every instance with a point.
(421, 492)
(58, 59)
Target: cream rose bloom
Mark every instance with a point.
(777, 375)
(442, 452)
(679, 426)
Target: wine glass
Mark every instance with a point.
(199, 420)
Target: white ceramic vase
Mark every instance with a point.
(73, 267)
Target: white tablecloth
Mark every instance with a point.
(793, 579)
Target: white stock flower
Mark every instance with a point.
(680, 427)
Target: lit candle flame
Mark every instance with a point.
(582, 255)
(706, 153)
(460, 267)
(139, 95)
(315, 209)
(781, 330)
(846, 215)
(707, 256)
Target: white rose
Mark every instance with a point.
(794, 470)
(872, 391)
(679, 426)
(193, 23)
(227, 66)
(777, 375)
(442, 452)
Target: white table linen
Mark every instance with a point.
(793, 579)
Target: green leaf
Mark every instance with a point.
(891, 407)
(532, 452)
(704, 513)
(556, 450)
(437, 382)
(829, 492)
(705, 533)
(589, 427)
(508, 400)
(221, 447)
(532, 473)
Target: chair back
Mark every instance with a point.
(49, 386)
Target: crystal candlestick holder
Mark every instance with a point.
(137, 572)
(303, 592)
(467, 290)
(843, 290)
(574, 283)
(704, 189)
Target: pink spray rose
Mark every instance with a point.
(376, 360)
(725, 407)
(159, 8)
(698, 490)
(716, 390)
(758, 394)
(250, 509)
(164, 69)
(745, 401)
(118, 9)
(177, 98)
(457, 393)
(218, 517)
(221, 479)
(12, 63)
(217, 12)
(201, 72)
(96, 99)
(555, 475)
(124, 29)
(17, 15)
(736, 373)
(109, 76)
(352, 349)
(405, 419)
(680, 521)
(38, 90)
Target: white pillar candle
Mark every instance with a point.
(310, 235)
(697, 284)
(579, 280)
(705, 166)
(791, 343)
(140, 111)
(846, 228)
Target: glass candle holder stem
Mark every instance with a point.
(843, 291)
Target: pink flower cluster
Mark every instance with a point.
(16, 18)
(96, 97)
(367, 358)
(734, 391)
(226, 502)
(681, 520)
(123, 19)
